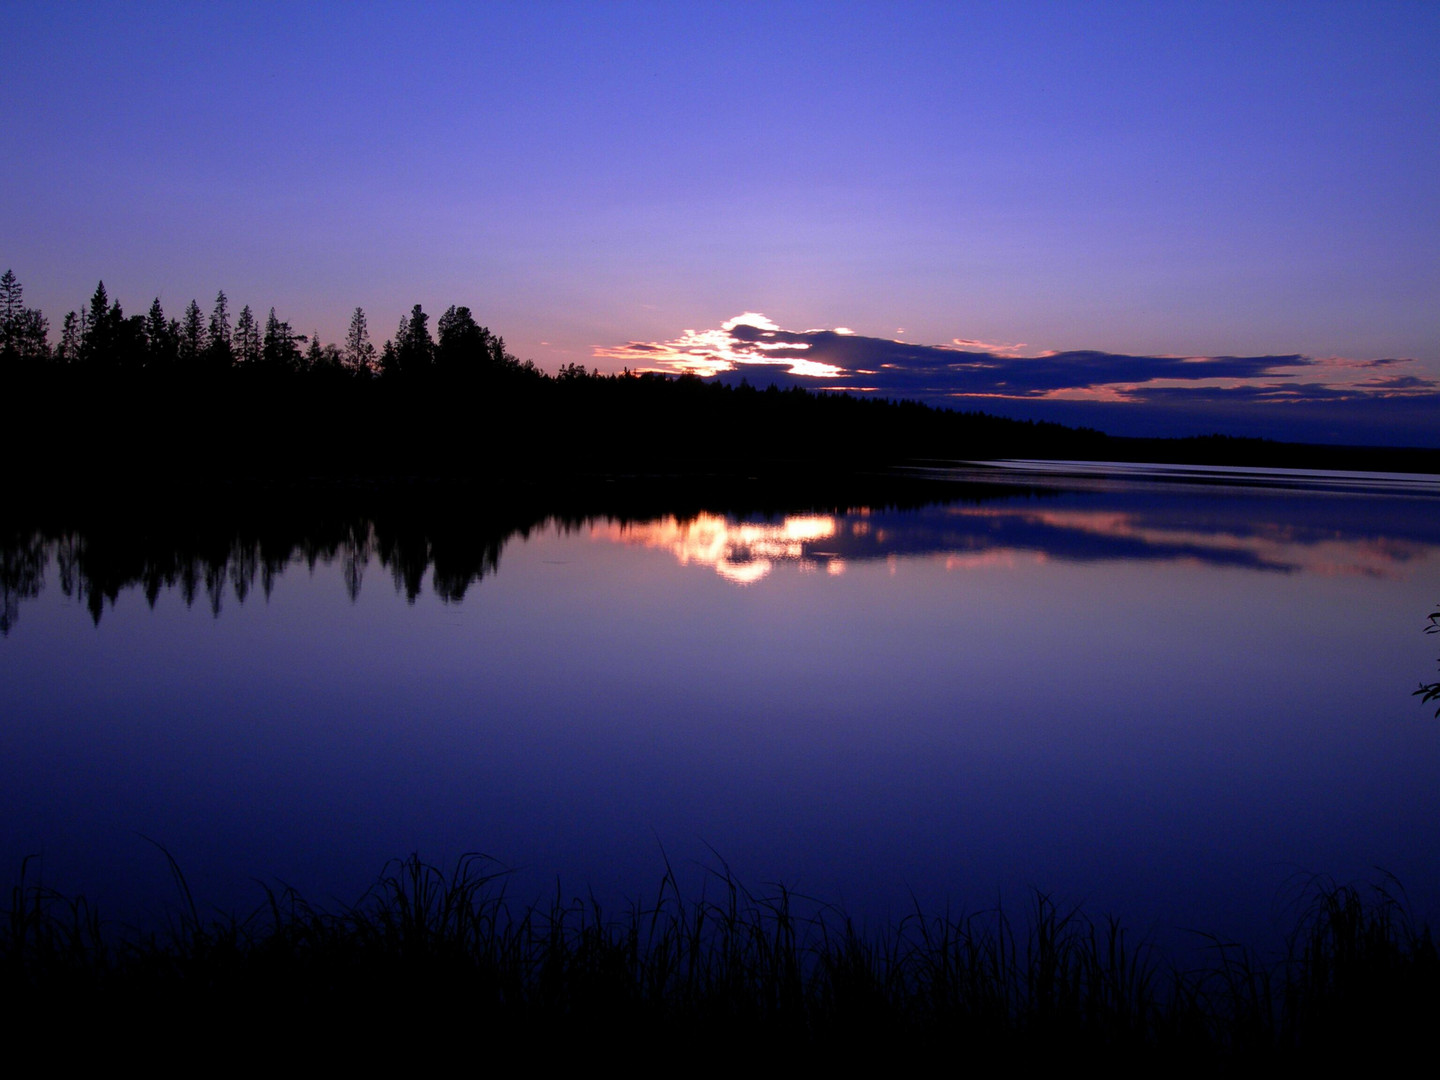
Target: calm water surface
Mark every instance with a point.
(1168, 700)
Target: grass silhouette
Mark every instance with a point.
(772, 976)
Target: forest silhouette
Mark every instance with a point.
(150, 399)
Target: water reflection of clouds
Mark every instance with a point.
(972, 538)
(1265, 546)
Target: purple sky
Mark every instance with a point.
(1101, 184)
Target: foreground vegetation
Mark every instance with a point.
(428, 954)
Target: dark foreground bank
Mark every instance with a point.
(430, 963)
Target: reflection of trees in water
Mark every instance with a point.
(405, 550)
(458, 567)
(216, 561)
(355, 555)
(22, 573)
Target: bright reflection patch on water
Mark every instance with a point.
(740, 552)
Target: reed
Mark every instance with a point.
(736, 972)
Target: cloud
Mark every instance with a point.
(1016, 349)
(972, 374)
(1248, 394)
(836, 359)
(1400, 382)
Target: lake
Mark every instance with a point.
(1169, 694)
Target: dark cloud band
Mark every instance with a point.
(1211, 388)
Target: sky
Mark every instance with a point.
(1151, 218)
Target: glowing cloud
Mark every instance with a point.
(971, 372)
(746, 340)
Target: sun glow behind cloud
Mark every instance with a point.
(711, 352)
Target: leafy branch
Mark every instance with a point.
(1431, 691)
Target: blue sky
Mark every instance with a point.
(1134, 180)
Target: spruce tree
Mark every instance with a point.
(103, 347)
(415, 351)
(192, 337)
(219, 353)
(164, 349)
(314, 355)
(280, 348)
(24, 332)
(247, 337)
(359, 352)
(11, 305)
(68, 351)
(98, 339)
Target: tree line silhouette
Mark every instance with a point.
(101, 338)
(153, 399)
